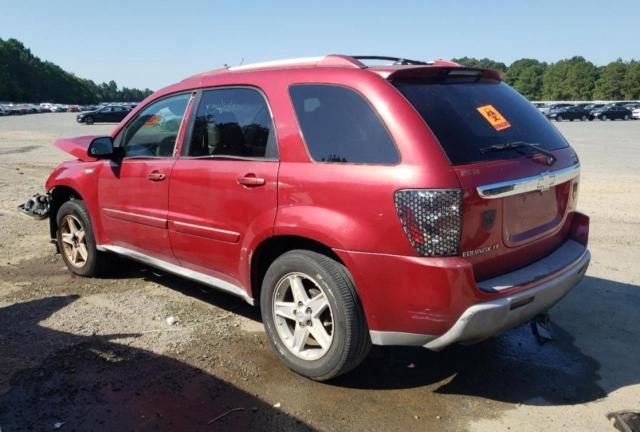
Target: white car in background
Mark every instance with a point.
(635, 114)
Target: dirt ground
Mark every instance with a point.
(98, 354)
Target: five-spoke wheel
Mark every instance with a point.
(74, 241)
(313, 316)
(303, 316)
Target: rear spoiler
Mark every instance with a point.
(438, 73)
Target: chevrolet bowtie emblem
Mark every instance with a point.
(545, 181)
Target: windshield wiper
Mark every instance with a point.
(515, 145)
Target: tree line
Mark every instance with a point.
(568, 79)
(26, 78)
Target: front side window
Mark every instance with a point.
(233, 122)
(154, 131)
(338, 125)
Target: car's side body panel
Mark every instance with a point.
(200, 219)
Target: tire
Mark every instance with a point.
(626, 117)
(583, 118)
(91, 262)
(88, 120)
(603, 117)
(559, 118)
(328, 283)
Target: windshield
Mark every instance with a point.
(469, 116)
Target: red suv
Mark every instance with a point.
(408, 203)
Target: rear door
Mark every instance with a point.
(133, 193)
(223, 189)
(516, 200)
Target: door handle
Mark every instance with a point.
(250, 180)
(156, 176)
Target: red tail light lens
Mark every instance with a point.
(432, 219)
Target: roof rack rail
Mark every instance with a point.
(395, 60)
(335, 60)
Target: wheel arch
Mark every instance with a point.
(273, 247)
(58, 196)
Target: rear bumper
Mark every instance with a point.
(491, 318)
(435, 302)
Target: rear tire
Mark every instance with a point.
(603, 117)
(626, 117)
(76, 240)
(583, 118)
(326, 304)
(559, 118)
(89, 120)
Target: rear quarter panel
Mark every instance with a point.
(351, 206)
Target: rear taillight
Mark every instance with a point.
(432, 219)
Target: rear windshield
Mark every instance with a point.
(467, 117)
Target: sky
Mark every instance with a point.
(154, 43)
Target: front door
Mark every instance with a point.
(133, 193)
(223, 189)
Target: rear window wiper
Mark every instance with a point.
(519, 144)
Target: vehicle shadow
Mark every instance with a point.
(515, 367)
(50, 378)
(129, 269)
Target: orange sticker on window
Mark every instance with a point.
(152, 120)
(494, 117)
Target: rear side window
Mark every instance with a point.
(467, 117)
(338, 125)
(233, 122)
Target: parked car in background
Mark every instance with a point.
(542, 107)
(636, 114)
(590, 107)
(570, 113)
(3, 112)
(107, 114)
(450, 215)
(611, 112)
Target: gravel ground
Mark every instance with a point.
(98, 354)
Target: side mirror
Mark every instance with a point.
(101, 148)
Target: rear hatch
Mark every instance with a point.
(517, 172)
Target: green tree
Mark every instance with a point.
(631, 82)
(610, 84)
(26, 78)
(483, 63)
(525, 75)
(569, 79)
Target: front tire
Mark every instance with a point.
(89, 120)
(313, 316)
(603, 117)
(76, 241)
(559, 118)
(626, 117)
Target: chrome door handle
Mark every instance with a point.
(156, 176)
(250, 180)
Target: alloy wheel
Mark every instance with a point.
(74, 241)
(303, 317)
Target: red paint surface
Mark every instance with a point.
(202, 217)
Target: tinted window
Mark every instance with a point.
(454, 112)
(233, 122)
(155, 130)
(338, 125)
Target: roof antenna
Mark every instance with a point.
(241, 61)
